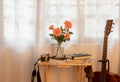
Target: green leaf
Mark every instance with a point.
(64, 40)
(70, 32)
(67, 30)
(61, 27)
(68, 39)
(64, 29)
(62, 36)
(51, 35)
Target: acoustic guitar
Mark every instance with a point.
(104, 75)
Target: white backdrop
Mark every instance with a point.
(24, 34)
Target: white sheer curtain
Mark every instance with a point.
(17, 37)
(24, 28)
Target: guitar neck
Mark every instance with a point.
(104, 57)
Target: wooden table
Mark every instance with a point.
(59, 63)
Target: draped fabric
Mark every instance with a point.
(24, 34)
(17, 37)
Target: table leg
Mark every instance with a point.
(45, 73)
(82, 74)
(48, 74)
(78, 73)
(89, 73)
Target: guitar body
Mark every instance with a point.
(110, 77)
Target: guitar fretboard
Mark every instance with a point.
(105, 48)
(104, 56)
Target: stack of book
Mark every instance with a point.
(79, 58)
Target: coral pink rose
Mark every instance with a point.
(67, 36)
(57, 32)
(68, 24)
(51, 27)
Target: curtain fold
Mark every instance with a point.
(17, 38)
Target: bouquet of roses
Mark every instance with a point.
(61, 34)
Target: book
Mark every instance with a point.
(86, 60)
(78, 56)
(74, 61)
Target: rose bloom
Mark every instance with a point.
(57, 32)
(51, 27)
(67, 36)
(68, 24)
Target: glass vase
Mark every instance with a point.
(59, 51)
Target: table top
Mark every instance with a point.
(54, 62)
